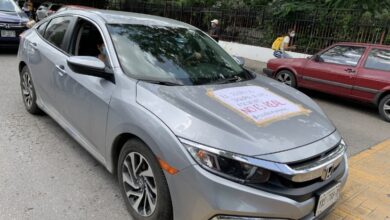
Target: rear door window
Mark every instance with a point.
(56, 30)
(378, 59)
(343, 55)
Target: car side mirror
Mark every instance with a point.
(91, 66)
(239, 60)
(317, 58)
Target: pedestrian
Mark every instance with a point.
(28, 8)
(215, 31)
(103, 56)
(281, 45)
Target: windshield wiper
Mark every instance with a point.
(227, 80)
(162, 82)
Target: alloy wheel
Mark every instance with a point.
(139, 184)
(285, 78)
(386, 108)
(27, 90)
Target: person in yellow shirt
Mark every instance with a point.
(283, 45)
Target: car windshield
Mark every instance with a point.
(8, 6)
(173, 54)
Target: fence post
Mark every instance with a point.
(191, 15)
(221, 27)
(382, 36)
(181, 12)
(311, 31)
(165, 8)
(234, 25)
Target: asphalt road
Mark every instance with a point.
(359, 124)
(45, 174)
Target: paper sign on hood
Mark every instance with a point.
(257, 104)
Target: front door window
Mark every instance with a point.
(343, 55)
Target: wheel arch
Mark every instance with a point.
(381, 95)
(295, 73)
(288, 69)
(22, 64)
(117, 146)
(152, 138)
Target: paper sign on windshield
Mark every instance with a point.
(258, 104)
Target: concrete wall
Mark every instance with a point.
(260, 54)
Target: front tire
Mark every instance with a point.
(142, 182)
(384, 108)
(286, 77)
(28, 92)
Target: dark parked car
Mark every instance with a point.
(353, 70)
(12, 23)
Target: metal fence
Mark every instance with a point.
(259, 26)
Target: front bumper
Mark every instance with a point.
(268, 72)
(200, 195)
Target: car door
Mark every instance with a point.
(85, 99)
(374, 74)
(333, 70)
(45, 50)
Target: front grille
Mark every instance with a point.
(12, 26)
(302, 179)
(299, 191)
(315, 167)
(297, 165)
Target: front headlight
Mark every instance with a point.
(227, 164)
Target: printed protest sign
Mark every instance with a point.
(257, 104)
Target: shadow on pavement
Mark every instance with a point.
(343, 102)
(8, 51)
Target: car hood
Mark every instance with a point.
(191, 113)
(13, 17)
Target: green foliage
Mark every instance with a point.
(318, 23)
(376, 8)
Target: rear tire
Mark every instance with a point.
(148, 185)
(384, 108)
(28, 92)
(286, 77)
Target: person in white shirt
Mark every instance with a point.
(285, 44)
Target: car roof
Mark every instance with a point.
(362, 44)
(121, 17)
(77, 6)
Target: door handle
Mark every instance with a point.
(61, 70)
(350, 70)
(34, 45)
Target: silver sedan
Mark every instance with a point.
(188, 131)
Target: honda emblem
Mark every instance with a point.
(328, 171)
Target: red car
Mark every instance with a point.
(353, 70)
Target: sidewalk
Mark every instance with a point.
(367, 192)
(255, 66)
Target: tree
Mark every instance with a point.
(373, 6)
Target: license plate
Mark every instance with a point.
(5, 33)
(327, 199)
